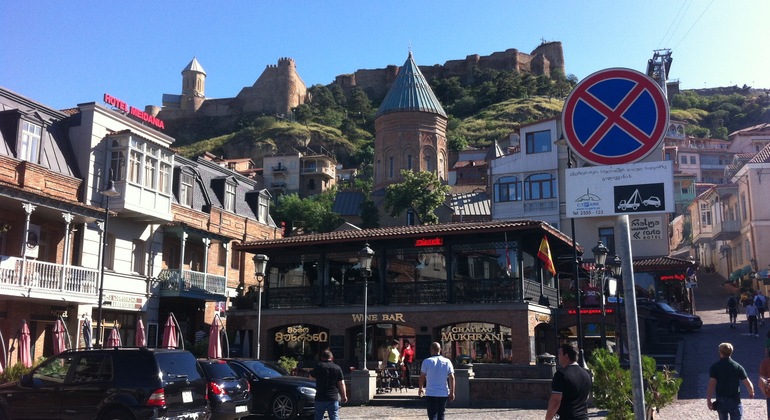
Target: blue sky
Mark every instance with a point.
(61, 53)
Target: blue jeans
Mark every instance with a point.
(332, 407)
(436, 407)
(731, 407)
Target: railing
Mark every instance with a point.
(281, 169)
(188, 281)
(727, 229)
(503, 290)
(540, 205)
(51, 277)
(317, 170)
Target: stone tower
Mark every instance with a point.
(193, 86)
(410, 129)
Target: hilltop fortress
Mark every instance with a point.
(279, 88)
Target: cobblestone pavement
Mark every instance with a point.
(700, 351)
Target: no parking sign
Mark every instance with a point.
(615, 116)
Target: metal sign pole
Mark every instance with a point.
(632, 324)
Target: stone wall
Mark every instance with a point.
(542, 60)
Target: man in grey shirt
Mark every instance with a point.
(437, 370)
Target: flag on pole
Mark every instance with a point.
(544, 253)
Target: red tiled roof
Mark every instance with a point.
(446, 229)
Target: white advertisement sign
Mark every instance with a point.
(613, 190)
(646, 228)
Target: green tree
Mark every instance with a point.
(421, 191)
(612, 386)
(313, 214)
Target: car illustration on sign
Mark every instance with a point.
(652, 201)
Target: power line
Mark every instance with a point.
(693, 25)
(660, 44)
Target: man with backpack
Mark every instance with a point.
(760, 301)
(732, 310)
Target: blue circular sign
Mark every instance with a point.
(615, 116)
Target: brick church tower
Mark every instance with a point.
(410, 129)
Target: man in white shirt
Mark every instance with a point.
(437, 370)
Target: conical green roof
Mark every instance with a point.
(410, 92)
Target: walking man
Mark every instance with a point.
(764, 379)
(751, 315)
(437, 382)
(725, 377)
(732, 310)
(760, 301)
(570, 388)
(330, 387)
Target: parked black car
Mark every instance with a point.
(110, 384)
(669, 317)
(229, 393)
(273, 391)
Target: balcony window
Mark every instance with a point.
(538, 142)
(29, 148)
(164, 181)
(705, 214)
(539, 187)
(222, 254)
(230, 197)
(150, 170)
(263, 209)
(507, 189)
(134, 166)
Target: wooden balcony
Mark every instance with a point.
(192, 284)
(48, 280)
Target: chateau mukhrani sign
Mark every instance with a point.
(135, 112)
(471, 334)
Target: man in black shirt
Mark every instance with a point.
(570, 388)
(725, 377)
(329, 386)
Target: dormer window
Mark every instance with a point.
(29, 148)
(230, 196)
(186, 189)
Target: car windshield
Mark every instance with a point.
(665, 307)
(265, 370)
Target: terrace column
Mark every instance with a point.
(207, 246)
(65, 258)
(28, 208)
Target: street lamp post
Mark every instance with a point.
(260, 265)
(108, 192)
(600, 256)
(365, 256)
(617, 269)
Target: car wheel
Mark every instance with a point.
(673, 327)
(284, 407)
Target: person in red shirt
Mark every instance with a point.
(407, 358)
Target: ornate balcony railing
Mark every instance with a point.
(487, 291)
(40, 276)
(181, 282)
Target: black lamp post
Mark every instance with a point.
(365, 256)
(600, 256)
(110, 191)
(616, 266)
(260, 265)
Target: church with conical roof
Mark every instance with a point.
(410, 129)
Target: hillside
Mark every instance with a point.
(491, 108)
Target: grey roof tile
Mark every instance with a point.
(410, 92)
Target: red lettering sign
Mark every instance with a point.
(135, 112)
(673, 277)
(591, 311)
(429, 242)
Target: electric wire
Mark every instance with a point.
(694, 23)
(660, 44)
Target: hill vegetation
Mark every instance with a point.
(490, 107)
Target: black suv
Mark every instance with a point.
(229, 394)
(110, 384)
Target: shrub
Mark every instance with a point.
(612, 386)
(288, 363)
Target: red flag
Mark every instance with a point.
(544, 253)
